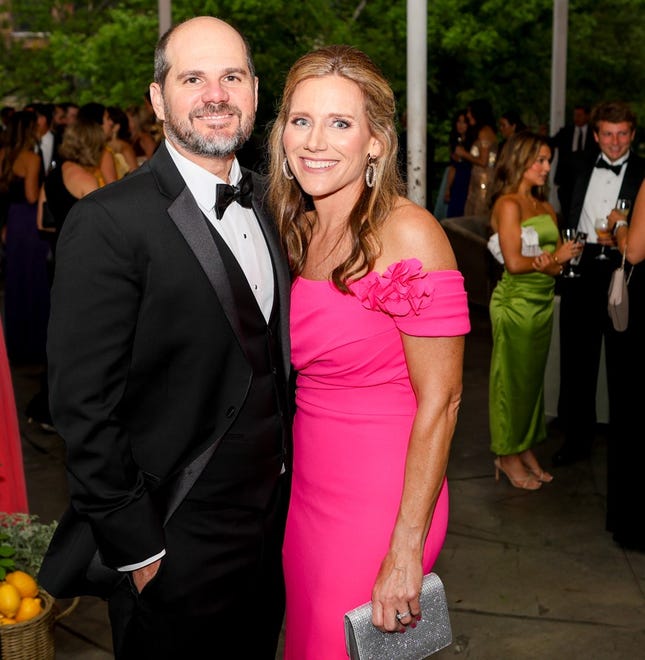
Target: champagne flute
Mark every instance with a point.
(569, 234)
(581, 237)
(623, 204)
(602, 230)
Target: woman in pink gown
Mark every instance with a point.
(378, 315)
(13, 492)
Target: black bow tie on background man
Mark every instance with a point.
(225, 194)
(602, 163)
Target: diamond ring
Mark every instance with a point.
(402, 615)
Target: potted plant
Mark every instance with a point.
(23, 542)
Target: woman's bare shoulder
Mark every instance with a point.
(487, 135)
(78, 180)
(27, 159)
(413, 232)
(507, 207)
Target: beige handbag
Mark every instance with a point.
(618, 299)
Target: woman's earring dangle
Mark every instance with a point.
(285, 169)
(370, 171)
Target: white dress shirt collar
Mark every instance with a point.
(201, 183)
(620, 161)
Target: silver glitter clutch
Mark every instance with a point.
(433, 633)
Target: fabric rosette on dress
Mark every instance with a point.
(402, 288)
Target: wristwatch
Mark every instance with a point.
(619, 223)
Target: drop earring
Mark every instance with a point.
(285, 169)
(370, 171)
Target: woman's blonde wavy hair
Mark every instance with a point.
(83, 143)
(287, 200)
(519, 153)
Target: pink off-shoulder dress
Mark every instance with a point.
(354, 411)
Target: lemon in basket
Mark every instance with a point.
(26, 585)
(9, 600)
(28, 609)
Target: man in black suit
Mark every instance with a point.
(169, 333)
(46, 139)
(573, 142)
(597, 183)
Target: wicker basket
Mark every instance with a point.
(33, 639)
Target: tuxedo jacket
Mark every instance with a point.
(634, 172)
(146, 366)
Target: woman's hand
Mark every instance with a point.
(460, 152)
(545, 262)
(395, 596)
(567, 251)
(548, 264)
(613, 217)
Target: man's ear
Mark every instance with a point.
(157, 101)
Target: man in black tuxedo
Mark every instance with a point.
(169, 332)
(574, 142)
(597, 183)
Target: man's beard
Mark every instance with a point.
(213, 146)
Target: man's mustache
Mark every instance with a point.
(215, 109)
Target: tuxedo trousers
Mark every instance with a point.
(219, 587)
(584, 323)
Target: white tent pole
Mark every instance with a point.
(417, 110)
(558, 77)
(165, 16)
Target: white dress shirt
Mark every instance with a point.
(602, 193)
(46, 145)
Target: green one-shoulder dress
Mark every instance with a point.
(521, 312)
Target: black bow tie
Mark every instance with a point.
(602, 163)
(225, 194)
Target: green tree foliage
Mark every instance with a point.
(102, 50)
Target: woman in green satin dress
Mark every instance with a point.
(521, 307)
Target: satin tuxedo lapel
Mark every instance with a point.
(280, 266)
(189, 219)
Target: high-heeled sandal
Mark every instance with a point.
(534, 468)
(529, 482)
(542, 475)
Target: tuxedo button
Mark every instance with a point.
(230, 412)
